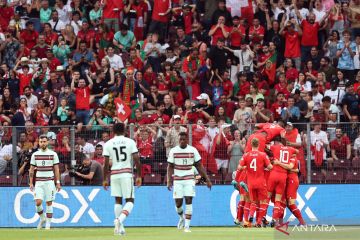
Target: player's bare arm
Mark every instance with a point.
(170, 173)
(202, 172)
(57, 177)
(31, 177)
(136, 159)
(269, 167)
(283, 165)
(106, 172)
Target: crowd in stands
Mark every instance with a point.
(210, 67)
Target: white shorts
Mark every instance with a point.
(122, 187)
(45, 191)
(184, 188)
(222, 163)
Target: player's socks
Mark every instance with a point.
(40, 211)
(252, 210)
(188, 214)
(258, 217)
(126, 211)
(246, 211)
(240, 211)
(49, 212)
(117, 210)
(276, 212)
(180, 211)
(293, 208)
(262, 212)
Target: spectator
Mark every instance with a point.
(340, 148)
(243, 115)
(261, 114)
(292, 33)
(319, 143)
(219, 31)
(153, 51)
(346, 51)
(291, 113)
(160, 18)
(235, 151)
(84, 146)
(218, 56)
(82, 94)
(278, 106)
(6, 154)
(350, 102)
(221, 11)
(111, 13)
(115, 60)
(10, 47)
(160, 108)
(124, 39)
(245, 57)
(220, 147)
(105, 136)
(57, 24)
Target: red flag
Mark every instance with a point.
(123, 111)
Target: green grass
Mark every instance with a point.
(171, 233)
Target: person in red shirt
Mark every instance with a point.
(256, 32)
(86, 35)
(135, 61)
(237, 33)
(111, 13)
(340, 147)
(291, 73)
(310, 29)
(6, 13)
(29, 36)
(284, 160)
(82, 96)
(292, 41)
(220, 146)
(277, 106)
(229, 107)
(220, 30)
(160, 17)
(25, 78)
(144, 142)
(160, 107)
(227, 84)
(272, 130)
(98, 156)
(255, 162)
(53, 61)
(281, 87)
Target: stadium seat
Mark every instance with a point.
(152, 179)
(228, 178)
(317, 177)
(5, 180)
(342, 164)
(352, 177)
(335, 176)
(216, 178)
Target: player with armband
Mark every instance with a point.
(122, 152)
(255, 162)
(284, 159)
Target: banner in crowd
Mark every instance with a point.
(154, 206)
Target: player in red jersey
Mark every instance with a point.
(284, 159)
(243, 206)
(271, 129)
(254, 162)
(292, 185)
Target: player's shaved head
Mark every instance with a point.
(119, 128)
(255, 142)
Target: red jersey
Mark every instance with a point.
(145, 147)
(276, 109)
(292, 45)
(255, 162)
(82, 98)
(340, 147)
(227, 86)
(108, 9)
(262, 142)
(87, 36)
(155, 116)
(161, 7)
(221, 149)
(260, 31)
(236, 34)
(29, 38)
(292, 74)
(218, 34)
(271, 129)
(281, 88)
(309, 36)
(25, 80)
(284, 154)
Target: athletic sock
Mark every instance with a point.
(188, 215)
(126, 211)
(252, 210)
(180, 211)
(262, 212)
(293, 208)
(117, 210)
(246, 211)
(276, 212)
(257, 212)
(40, 211)
(49, 212)
(240, 211)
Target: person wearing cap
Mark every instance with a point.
(245, 57)
(205, 103)
(129, 90)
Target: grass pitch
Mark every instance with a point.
(171, 233)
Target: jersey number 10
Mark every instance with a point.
(122, 153)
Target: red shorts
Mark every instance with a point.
(292, 185)
(257, 193)
(277, 182)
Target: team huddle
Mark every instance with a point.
(258, 179)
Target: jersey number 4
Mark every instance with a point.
(122, 153)
(253, 164)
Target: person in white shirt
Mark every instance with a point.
(304, 12)
(85, 147)
(357, 53)
(31, 99)
(76, 23)
(318, 138)
(56, 24)
(180, 174)
(115, 60)
(6, 155)
(336, 94)
(64, 11)
(246, 57)
(317, 96)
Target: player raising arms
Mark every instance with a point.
(284, 160)
(122, 151)
(46, 163)
(255, 162)
(180, 162)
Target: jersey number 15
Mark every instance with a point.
(122, 153)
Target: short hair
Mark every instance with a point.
(255, 142)
(159, 103)
(98, 146)
(119, 128)
(326, 99)
(82, 157)
(346, 32)
(183, 134)
(43, 136)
